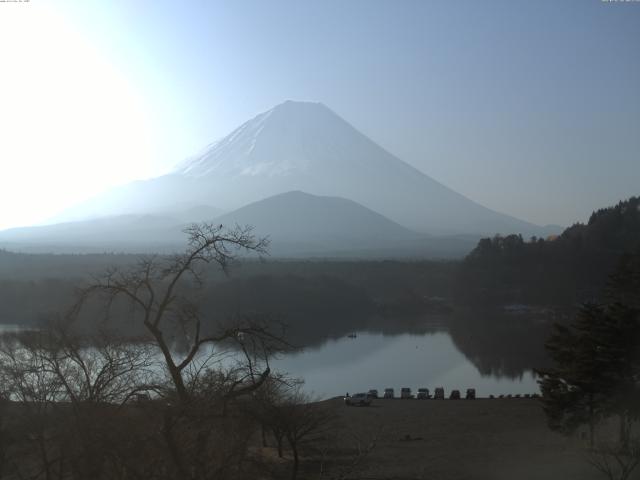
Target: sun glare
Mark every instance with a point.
(70, 123)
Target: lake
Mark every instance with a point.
(376, 360)
(494, 357)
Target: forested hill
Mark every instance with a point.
(562, 270)
(613, 229)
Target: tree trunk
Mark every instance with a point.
(592, 423)
(45, 458)
(176, 375)
(279, 441)
(168, 434)
(624, 432)
(264, 435)
(296, 461)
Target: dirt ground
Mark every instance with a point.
(463, 439)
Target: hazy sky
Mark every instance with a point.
(528, 107)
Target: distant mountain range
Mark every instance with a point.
(298, 173)
(298, 225)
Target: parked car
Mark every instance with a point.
(423, 394)
(373, 393)
(405, 392)
(471, 394)
(142, 397)
(455, 395)
(359, 399)
(388, 393)
(439, 394)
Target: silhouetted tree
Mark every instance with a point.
(614, 461)
(596, 359)
(301, 421)
(159, 292)
(575, 391)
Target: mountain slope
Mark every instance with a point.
(307, 147)
(125, 233)
(298, 225)
(303, 225)
(297, 221)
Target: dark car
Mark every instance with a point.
(471, 394)
(455, 395)
(373, 393)
(439, 394)
(423, 394)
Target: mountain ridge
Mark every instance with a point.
(298, 224)
(306, 146)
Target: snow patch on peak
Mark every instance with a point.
(275, 143)
(229, 153)
(261, 123)
(300, 104)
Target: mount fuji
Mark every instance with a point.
(303, 146)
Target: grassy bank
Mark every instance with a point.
(480, 439)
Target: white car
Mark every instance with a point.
(359, 399)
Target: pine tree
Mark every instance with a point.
(596, 372)
(574, 391)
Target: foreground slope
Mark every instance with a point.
(455, 440)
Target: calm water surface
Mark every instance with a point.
(377, 360)
(374, 360)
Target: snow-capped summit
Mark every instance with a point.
(307, 147)
(281, 141)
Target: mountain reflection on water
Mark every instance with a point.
(492, 353)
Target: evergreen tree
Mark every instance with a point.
(574, 391)
(596, 371)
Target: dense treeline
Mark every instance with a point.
(315, 298)
(31, 266)
(563, 270)
(381, 279)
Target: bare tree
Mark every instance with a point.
(158, 289)
(34, 391)
(97, 368)
(200, 439)
(267, 408)
(616, 461)
(297, 419)
(65, 388)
